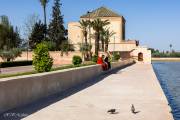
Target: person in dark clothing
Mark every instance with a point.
(106, 60)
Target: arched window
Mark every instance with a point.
(140, 56)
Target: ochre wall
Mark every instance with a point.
(116, 25)
(56, 55)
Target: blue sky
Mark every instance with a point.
(156, 23)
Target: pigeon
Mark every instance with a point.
(133, 109)
(111, 111)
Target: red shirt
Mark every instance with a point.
(100, 60)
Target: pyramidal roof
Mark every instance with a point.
(101, 12)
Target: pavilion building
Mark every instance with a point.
(118, 42)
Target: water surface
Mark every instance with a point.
(168, 74)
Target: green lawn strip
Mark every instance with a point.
(53, 69)
(17, 74)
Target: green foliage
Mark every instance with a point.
(84, 25)
(157, 53)
(116, 56)
(15, 63)
(37, 35)
(44, 4)
(95, 58)
(66, 47)
(105, 35)
(42, 61)
(97, 26)
(9, 37)
(50, 44)
(77, 60)
(85, 47)
(56, 30)
(10, 54)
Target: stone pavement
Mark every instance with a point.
(136, 85)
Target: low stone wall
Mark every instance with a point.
(18, 91)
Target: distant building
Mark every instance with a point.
(118, 42)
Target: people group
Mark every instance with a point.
(104, 60)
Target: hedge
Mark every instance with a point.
(15, 63)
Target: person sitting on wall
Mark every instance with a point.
(101, 62)
(106, 60)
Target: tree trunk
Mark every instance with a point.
(96, 43)
(102, 45)
(44, 8)
(85, 36)
(86, 48)
(106, 46)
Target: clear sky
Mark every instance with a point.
(156, 23)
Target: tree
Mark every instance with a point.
(84, 25)
(29, 23)
(97, 26)
(15, 38)
(170, 47)
(66, 46)
(37, 35)
(9, 37)
(44, 4)
(10, 54)
(4, 20)
(57, 31)
(106, 38)
(42, 61)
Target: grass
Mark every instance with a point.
(53, 69)
(17, 74)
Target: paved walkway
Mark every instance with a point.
(136, 85)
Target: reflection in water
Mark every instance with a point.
(168, 74)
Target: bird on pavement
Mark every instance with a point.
(111, 111)
(133, 109)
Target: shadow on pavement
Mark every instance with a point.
(24, 111)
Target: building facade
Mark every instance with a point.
(117, 42)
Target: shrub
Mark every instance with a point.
(95, 58)
(77, 60)
(116, 56)
(42, 61)
(15, 63)
(10, 54)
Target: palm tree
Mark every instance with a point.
(107, 35)
(97, 26)
(44, 4)
(84, 26)
(102, 38)
(170, 47)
